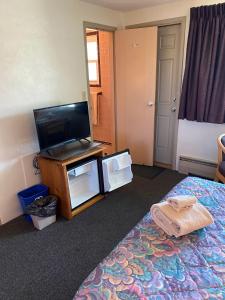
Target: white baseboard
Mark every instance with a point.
(197, 167)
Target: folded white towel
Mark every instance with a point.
(181, 201)
(182, 222)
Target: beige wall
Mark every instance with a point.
(41, 63)
(165, 11)
(194, 139)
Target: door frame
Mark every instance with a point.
(100, 27)
(174, 21)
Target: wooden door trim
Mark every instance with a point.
(166, 22)
(100, 27)
(173, 21)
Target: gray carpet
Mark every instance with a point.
(144, 171)
(51, 264)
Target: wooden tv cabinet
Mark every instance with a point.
(54, 175)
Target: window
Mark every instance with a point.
(93, 59)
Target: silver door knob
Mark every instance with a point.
(150, 104)
(173, 109)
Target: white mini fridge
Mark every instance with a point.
(99, 176)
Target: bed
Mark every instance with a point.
(147, 264)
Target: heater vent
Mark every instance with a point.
(195, 166)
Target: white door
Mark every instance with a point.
(116, 170)
(136, 56)
(168, 85)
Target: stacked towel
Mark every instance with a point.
(182, 201)
(180, 222)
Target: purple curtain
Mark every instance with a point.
(203, 91)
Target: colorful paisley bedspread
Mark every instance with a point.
(147, 264)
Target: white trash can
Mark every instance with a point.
(42, 222)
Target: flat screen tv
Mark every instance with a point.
(59, 125)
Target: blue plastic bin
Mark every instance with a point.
(30, 194)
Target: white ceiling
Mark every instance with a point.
(126, 5)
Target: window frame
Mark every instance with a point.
(98, 83)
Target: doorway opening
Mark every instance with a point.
(170, 45)
(118, 124)
(100, 67)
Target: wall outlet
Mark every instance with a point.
(84, 95)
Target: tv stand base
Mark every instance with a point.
(69, 150)
(54, 175)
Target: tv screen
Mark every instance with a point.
(60, 124)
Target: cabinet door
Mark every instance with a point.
(115, 171)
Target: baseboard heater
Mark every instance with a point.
(195, 166)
